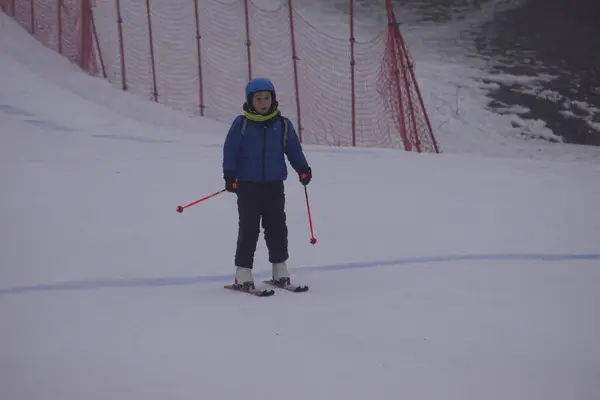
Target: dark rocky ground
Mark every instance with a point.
(557, 39)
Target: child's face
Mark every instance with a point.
(261, 101)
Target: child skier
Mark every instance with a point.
(254, 168)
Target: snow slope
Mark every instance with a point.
(455, 276)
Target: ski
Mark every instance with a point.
(253, 292)
(291, 287)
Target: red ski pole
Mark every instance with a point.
(181, 208)
(313, 240)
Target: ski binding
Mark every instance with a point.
(289, 287)
(254, 292)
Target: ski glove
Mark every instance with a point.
(230, 183)
(305, 175)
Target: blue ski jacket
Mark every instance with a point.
(254, 151)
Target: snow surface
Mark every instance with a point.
(469, 275)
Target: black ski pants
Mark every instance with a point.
(256, 201)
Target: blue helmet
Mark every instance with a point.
(259, 85)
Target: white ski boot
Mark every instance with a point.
(281, 275)
(281, 279)
(243, 278)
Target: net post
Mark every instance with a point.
(32, 19)
(95, 33)
(152, 61)
(60, 30)
(121, 45)
(295, 65)
(86, 36)
(248, 42)
(352, 72)
(410, 68)
(391, 47)
(404, 64)
(198, 50)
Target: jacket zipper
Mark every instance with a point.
(264, 154)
